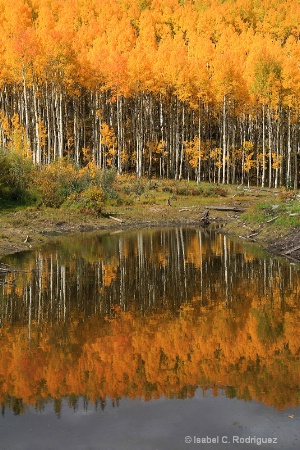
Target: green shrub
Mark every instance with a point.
(107, 178)
(90, 201)
(220, 191)
(57, 181)
(16, 174)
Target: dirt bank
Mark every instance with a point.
(288, 245)
(26, 229)
(30, 228)
(283, 242)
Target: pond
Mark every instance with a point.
(171, 338)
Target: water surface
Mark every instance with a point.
(140, 340)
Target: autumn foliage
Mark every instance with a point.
(133, 357)
(205, 313)
(182, 89)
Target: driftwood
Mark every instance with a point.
(226, 208)
(272, 220)
(253, 234)
(115, 218)
(250, 236)
(291, 250)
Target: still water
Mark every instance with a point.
(173, 338)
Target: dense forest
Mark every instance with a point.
(203, 89)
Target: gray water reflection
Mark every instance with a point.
(147, 314)
(161, 424)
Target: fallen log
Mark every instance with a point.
(226, 208)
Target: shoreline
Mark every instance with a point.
(27, 229)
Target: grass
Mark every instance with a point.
(261, 212)
(144, 202)
(128, 191)
(285, 213)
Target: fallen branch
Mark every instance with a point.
(115, 218)
(272, 220)
(253, 234)
(291, 250)
(250, 236)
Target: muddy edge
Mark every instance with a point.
(28, 229)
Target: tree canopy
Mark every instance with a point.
(158, 74)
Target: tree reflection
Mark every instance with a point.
(149, 314)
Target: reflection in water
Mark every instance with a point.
(148, 314)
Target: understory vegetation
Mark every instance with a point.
(65, 185)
